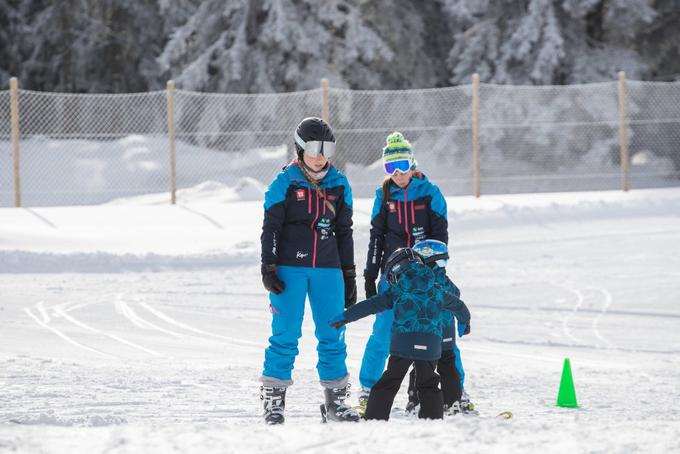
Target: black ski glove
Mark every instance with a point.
(349, 275)
(369, 284)
(271, 280)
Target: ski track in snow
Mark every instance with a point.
(126, 311)
(44, 323)
(193, 329)
(61, 310)
(565, 321)
(605, 307)
(578, 309)
(40, 307)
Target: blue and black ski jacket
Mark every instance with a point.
(408, 215)
(307, 227)
(419, 308)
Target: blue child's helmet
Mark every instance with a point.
(398, 261)
(432, 252)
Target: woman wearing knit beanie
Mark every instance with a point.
(407, 208)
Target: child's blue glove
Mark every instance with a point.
(338, 321)
(463, 329)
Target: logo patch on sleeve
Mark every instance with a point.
(300, 194)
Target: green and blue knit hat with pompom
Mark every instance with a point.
(398, 148)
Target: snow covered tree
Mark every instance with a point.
(551, 41)
(286, 45)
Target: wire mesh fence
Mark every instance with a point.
(436, 121)
(92, 148)
(653, 111)
(237, 139)
(549, 138)
(6, 177)
(86, 149)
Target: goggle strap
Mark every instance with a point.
(435, 257)
(399, 157)
(299, 140)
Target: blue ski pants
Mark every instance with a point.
(378, 347)
(326, 290)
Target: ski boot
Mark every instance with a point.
(335, 408)
(453, 409)
(274, 402)
(413, 404)
(363, 401)
(467, 407)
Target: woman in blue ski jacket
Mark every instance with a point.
(407, 208)
(308, 251)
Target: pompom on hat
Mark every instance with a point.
(397, 149)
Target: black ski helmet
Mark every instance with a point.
(398, 261)
(312, 128)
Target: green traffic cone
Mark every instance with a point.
(566, 397)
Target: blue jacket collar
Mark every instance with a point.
(418, 182)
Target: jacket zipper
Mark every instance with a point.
(313, 226)
(408, 234)
(309, 201)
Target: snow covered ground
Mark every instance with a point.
(138, 327)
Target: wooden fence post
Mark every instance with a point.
(14, 115)
(623, 132)
(171, 137)
(475, 135)
(324, 100)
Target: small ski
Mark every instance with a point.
(504, 415)
(474, 413)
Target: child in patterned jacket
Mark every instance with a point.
(419, 310)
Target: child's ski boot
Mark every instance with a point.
(363, 401)
(413, 405)
(453, 409)
(467, 407)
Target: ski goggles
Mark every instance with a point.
(314, 148)
(402, 166)
(432, 251)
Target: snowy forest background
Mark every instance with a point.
(255, 46)
(552, 135)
